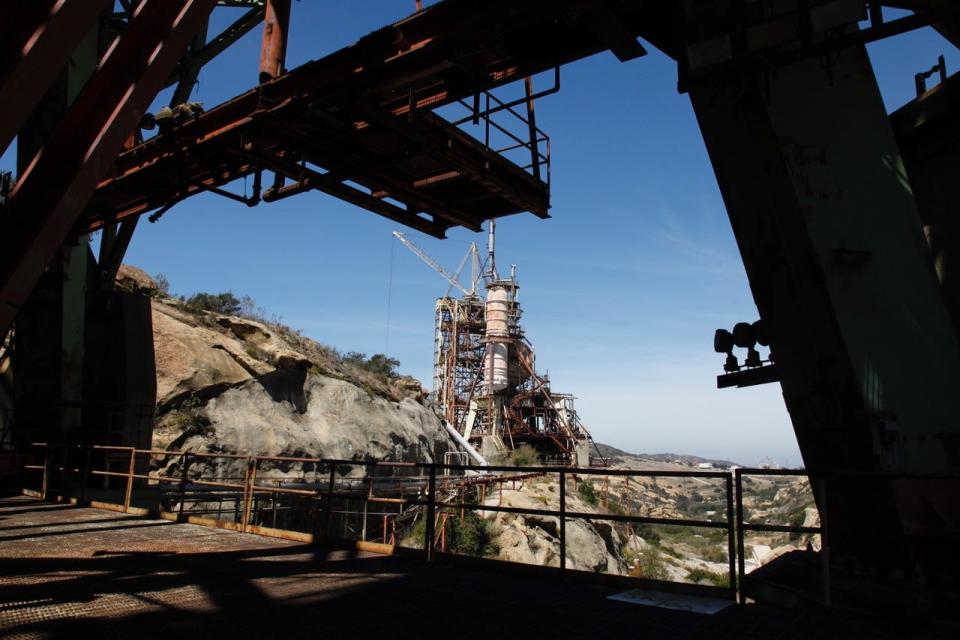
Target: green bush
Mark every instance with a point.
(377, 364)
(713, 554)
(225, 303)
(475, 536)
(650, 565)
(797, 520)
(699, 576)
(524, 456)
(587, 493)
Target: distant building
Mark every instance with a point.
(705, 465)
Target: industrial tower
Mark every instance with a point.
(484, 375)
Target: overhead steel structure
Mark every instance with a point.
(828, 197)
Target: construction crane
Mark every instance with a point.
(454, 279)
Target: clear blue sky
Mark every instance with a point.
(622, 289)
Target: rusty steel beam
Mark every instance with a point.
(421, 63)
(273, 51)
(21, 21)
(431, 59)
(453, 150)
(53, 191)
(37, 52)
(306, 179)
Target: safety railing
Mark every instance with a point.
(384, 506)
(926, 536)
(743, 526)
(532, 144)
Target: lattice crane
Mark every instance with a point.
(454, 279)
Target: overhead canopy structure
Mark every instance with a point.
(828, 210)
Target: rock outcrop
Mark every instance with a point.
(592, 545)
(135, 280)
(232, 384)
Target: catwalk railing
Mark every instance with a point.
(409, 506)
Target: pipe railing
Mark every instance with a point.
(532, 143)
(413, 489)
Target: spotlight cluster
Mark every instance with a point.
(746, 336)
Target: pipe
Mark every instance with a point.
(273, 51)
(480, 460)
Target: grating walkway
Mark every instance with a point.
(75, 572)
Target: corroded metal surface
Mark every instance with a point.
(67, 571)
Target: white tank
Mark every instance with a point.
(495, 363)
(495, 366)
(498, 312)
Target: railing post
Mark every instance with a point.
(45, 481)
(431, 513)
(486, 122)
(563, 521)
(732, 541)
(741, 562)
(129, 492)
(85, 474)
(328, 503)
(183, 483)
(824, 540)
(249, 479)
(532, 127)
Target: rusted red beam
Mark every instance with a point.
(20, 22)
(306, 179)
(36, 50)
(273, 51)
(400, 73)
(53, 191)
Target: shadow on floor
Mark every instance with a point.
(284, 590)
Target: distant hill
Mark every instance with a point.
(614, 454)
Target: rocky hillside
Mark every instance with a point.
(594, 546)
(664, 552)
(227, 383)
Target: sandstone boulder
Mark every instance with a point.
(136, 280)
(592, 545)
(192, 361)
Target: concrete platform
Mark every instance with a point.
(77, 572)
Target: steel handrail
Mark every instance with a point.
(428, 487)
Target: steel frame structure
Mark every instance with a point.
(458, 356)
(363, 116)
(527, 412)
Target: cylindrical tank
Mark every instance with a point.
(498, 312)
(495, 363)
(495, 366)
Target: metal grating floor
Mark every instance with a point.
(77, 572)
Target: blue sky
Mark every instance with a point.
(622, 288)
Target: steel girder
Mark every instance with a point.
(38, 40)
(51, 194)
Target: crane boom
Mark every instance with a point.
(433, 264)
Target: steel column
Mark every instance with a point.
(831, 241)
